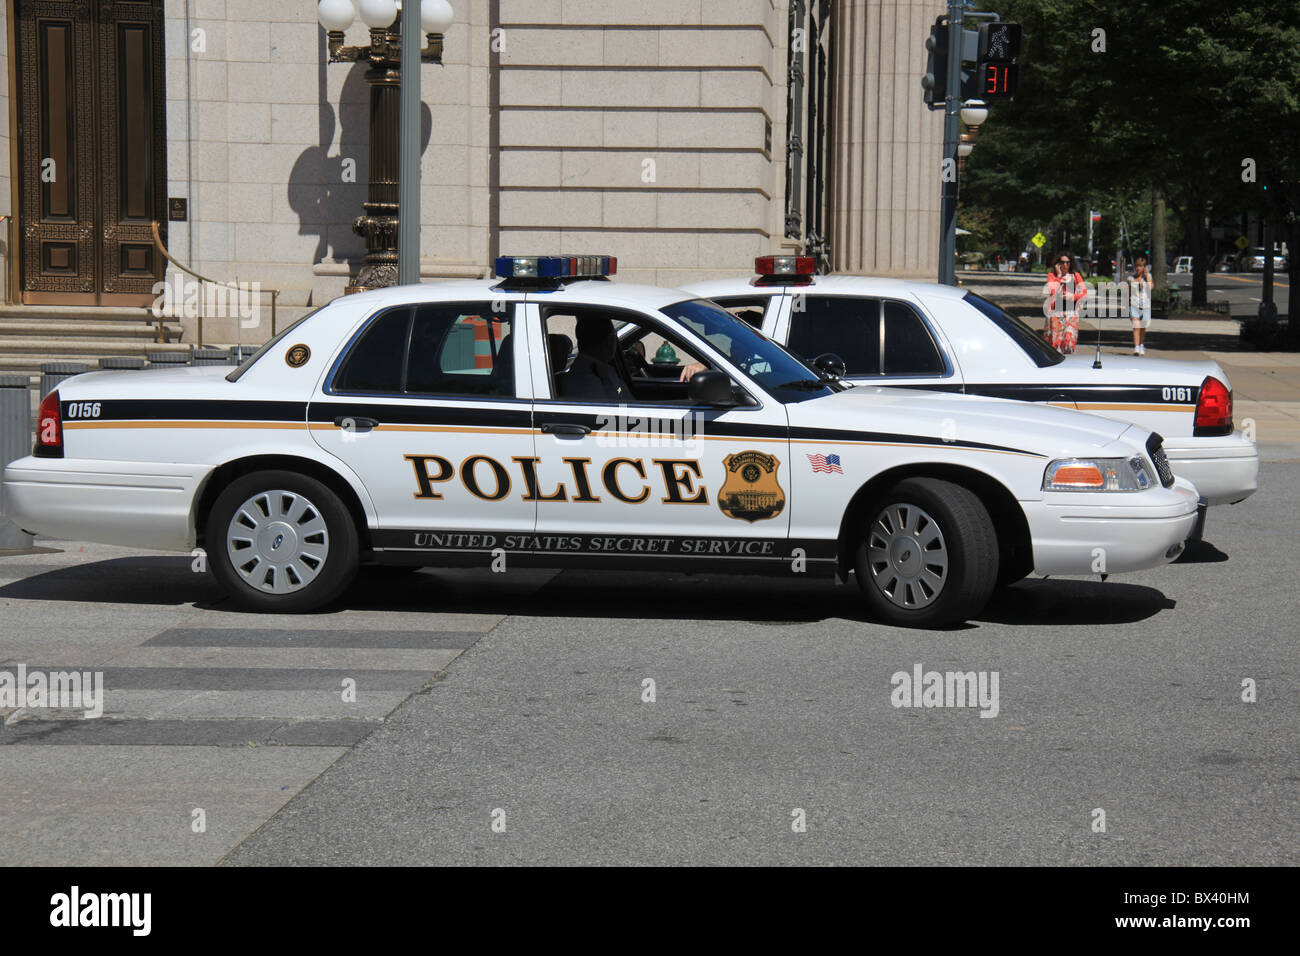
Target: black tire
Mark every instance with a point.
(904, 520)
(333, 547)
(1012, 569)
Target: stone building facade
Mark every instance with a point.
(657, 132)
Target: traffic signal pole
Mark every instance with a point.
(951, 135)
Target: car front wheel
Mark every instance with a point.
(280, 541)
(929, 555)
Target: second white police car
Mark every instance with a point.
(452, 424)
(936, 337)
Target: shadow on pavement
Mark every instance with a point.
(148, 579)
(1201, 552)
(1065, 602)
(170, 581)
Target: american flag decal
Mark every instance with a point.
(826, 463)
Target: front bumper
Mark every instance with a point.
(1102, 533)
(1225, 470)
(134, 504)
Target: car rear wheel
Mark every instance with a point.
(929, 554)
(280, 541)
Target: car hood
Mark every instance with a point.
(966, 419)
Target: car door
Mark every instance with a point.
(647, 479)
(424, 404)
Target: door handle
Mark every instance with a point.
(355, 423)
(565, 430)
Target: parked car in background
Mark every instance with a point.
(1254, 261)
(1183, 265)
(1225, 263)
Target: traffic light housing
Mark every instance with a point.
(997, 76)
(935, 80)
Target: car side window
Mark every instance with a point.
(642, 365)
(459, 349)
(435, 349)
(374, 364)
(748, 308)
(847, 326)
(909, 348)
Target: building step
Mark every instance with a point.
(83, 328)
(79, 312)
(56, 349)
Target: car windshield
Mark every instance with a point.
(778, 372)
(1018, 331)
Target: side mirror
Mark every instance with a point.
(830, 365)
(711, 388)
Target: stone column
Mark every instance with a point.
(886, 145)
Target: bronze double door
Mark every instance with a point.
(92, 162)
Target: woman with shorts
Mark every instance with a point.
(1139, 303)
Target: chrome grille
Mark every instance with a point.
(1156, 449)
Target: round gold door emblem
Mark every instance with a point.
(297, 356)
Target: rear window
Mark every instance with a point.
(909, 349)
(1030, 342)
(434, 349)
(747, 308)
(847, 326)
(375, 361)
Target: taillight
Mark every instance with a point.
(1213, 409)
(49, 428)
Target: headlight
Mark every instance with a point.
(1099, 474)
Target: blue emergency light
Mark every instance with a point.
(556, 267)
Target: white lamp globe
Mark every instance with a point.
(335, 15)
(974, 113)
(378, 14)
(964, 149)
(435, 16)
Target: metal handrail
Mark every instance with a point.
(157, 241)
(9, 255)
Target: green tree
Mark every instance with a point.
(1122, 96)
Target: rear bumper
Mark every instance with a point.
(1089, 534)
(1224, 470)
(135, 504)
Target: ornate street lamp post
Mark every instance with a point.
(379, 223)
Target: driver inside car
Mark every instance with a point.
(592, 375)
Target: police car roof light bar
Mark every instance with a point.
(556, 267)
(785, 270)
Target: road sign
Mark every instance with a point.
(1038, 240)
(1242, 242)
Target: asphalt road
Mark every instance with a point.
(1243, 290)
(517, 700)
(1124, 697)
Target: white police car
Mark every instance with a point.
(450, 423)
(936, 337)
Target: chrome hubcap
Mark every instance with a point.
(907, 556)
(277, 541)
